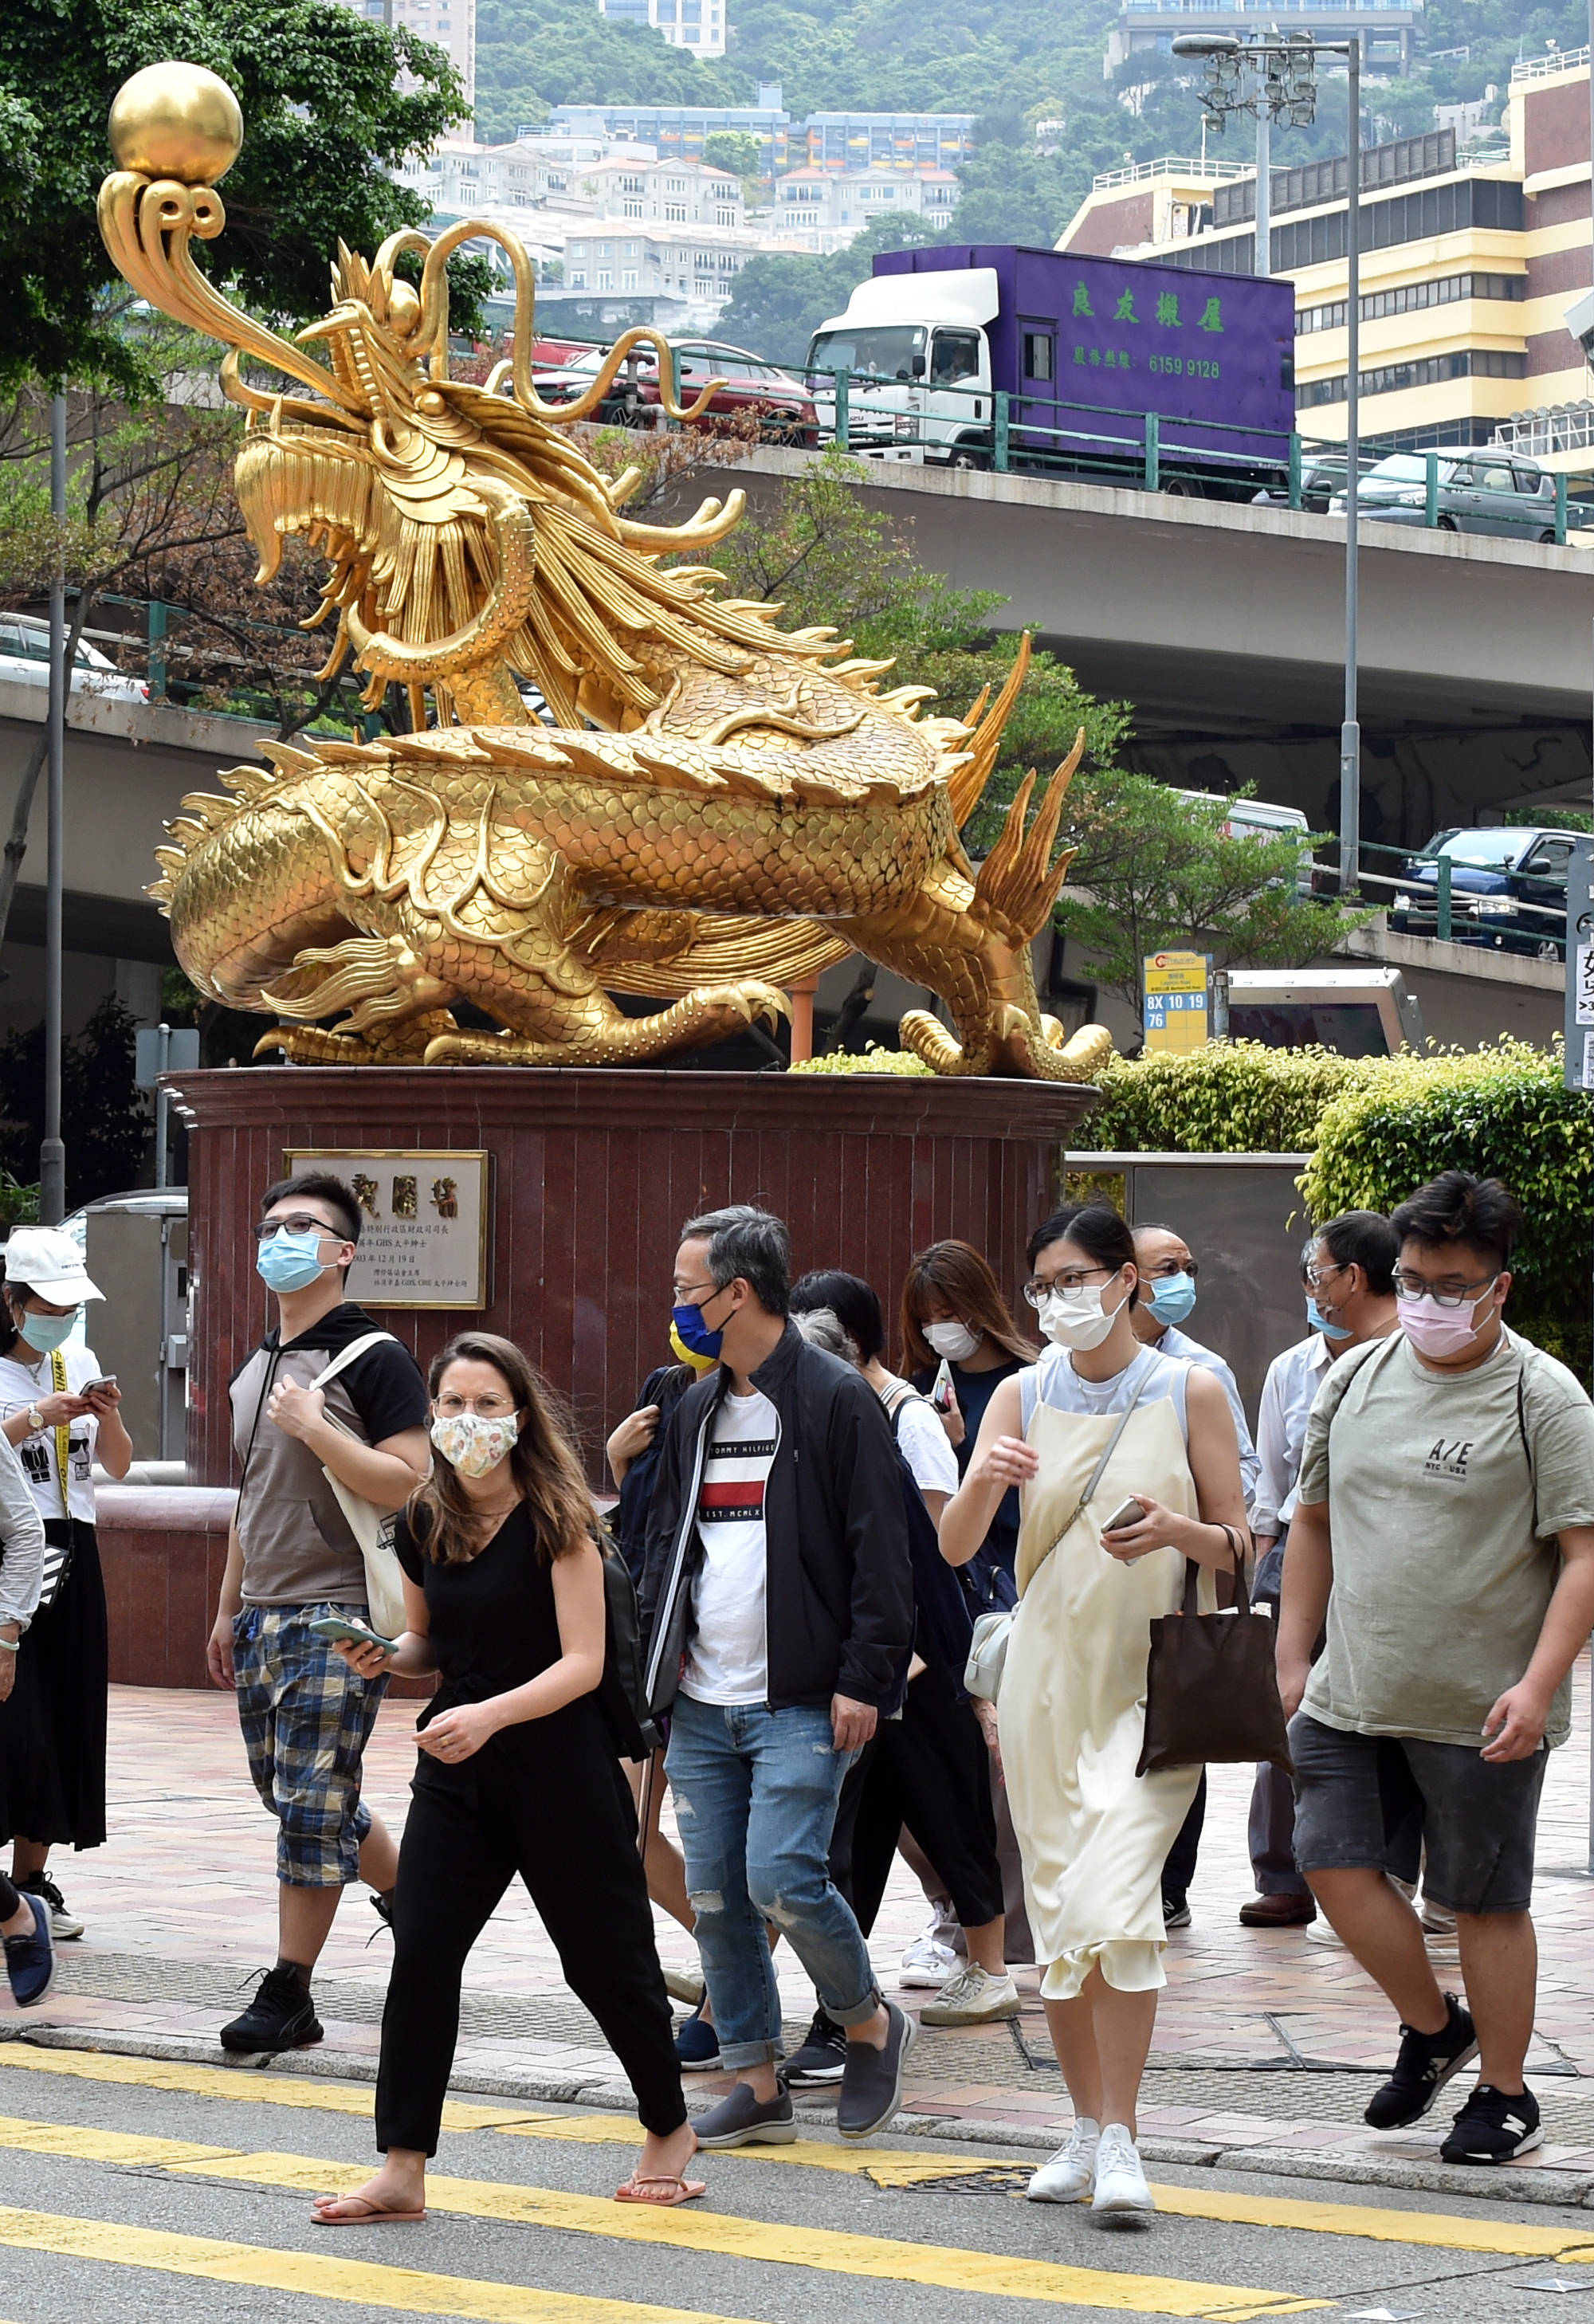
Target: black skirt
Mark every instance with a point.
(52, 1726)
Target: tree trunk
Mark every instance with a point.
(16, 844)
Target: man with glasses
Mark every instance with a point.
(1168, 1274)
(780, 1594)
(293, 1556)
(1347, 1270)
(1444, 1528)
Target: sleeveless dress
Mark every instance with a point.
(1093, 1833)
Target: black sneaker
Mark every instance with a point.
(30, 1958)
(741, 2119)
(281, 2016)
(1175, 1912)
(63, 1925)
(871, 2081)
(1492, 2128)
(1426, 2063)
(823, 2057)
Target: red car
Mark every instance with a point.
(783, 404)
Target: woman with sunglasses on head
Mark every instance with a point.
(60, 1415)
(1100, 1427)
(504, 1590)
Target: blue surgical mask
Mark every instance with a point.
(1319, 1323)
(1173, 1298)
(291, 1262)
(693, 1332)
(47, 1332)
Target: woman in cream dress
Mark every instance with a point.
(1093, 1833)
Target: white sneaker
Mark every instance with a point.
(1322, 1932)
(929, 1959)
(1065, 2177)
(63, 1925)
(973, 1997)
(1119, 2195)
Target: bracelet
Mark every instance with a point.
(10, 1644)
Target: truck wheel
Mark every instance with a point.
(967, 456)
(1185, 488)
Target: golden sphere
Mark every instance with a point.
(404, 308)
(177, 120)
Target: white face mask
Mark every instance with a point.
(956, 1340)
(1081, 1322)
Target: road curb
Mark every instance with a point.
(1531, 2184)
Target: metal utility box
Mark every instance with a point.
(137, 1252)
(1361, 1012)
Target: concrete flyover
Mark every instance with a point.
(1222, 626)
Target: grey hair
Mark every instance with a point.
(822, 1327)
(743, 1240)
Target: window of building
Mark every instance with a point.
(578, 280)
(676, 213)
(606, 282)
(630, 209)
(1428, 371)
(1487, 202)
(578, 250)
(1411, 298)
(629, 282)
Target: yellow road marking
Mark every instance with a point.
(828, 2250)
(326, 2275)
(245, 2082)
(885, 2166)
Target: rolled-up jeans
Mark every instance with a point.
(756, 1792)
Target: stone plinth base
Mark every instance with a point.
(594, 1171)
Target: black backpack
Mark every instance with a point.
(622, 1695)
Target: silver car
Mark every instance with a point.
(1477, 492)
(24, 659)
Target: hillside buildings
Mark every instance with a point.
(449, 24)
(695, 24)
(1387, 27)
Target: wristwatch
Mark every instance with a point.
(35, 1419)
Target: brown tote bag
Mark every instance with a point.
(1212, 1692)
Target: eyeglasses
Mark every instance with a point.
(1444, 1295)
(486, 1407)
(1164, 1268)
(1315, 1277)
(1068, 1285)
(301, 1222)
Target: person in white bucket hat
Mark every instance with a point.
(61, 1413)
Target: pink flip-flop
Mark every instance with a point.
(673, 2192)
(369, 2215)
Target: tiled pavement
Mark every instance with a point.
(179, 1908)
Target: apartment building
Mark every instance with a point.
(449, 24)
(1387, 27)
(695, 24)
(1468, 260)
(679, 132)
(823, 209)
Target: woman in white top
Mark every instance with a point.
(58, 1411)
(927, 1770)
(1093, 1833)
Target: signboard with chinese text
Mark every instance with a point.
(1177, 987)
(423, 1223)
(1579, 967)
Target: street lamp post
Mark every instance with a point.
(1284, 82)
(52, 1153)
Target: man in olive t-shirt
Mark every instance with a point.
(1444, 1530)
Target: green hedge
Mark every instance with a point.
(1233, 1097)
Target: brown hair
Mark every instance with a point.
(543, 1461)
(955, 1272)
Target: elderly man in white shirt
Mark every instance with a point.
(1346, 1268)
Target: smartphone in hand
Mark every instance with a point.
(1127, 1513)
(942, 1395)
(344, 1632)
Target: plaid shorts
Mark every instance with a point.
(307, 1719)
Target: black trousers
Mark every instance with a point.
(553, 1806)
(1179, 1870)
(931, 1770)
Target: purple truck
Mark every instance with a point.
(973, 354)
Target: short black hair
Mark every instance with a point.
(321, 1186)
(1457, 1208)
(853, 1303)
(1097, 1229)
(743, 1240)
(1364, 1239)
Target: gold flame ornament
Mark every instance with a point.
(720, 808)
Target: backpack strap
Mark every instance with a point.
(904, 1394)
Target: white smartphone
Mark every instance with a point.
(91, 1388)
(941, 1390)
(342, 1632)
(1128, 1513)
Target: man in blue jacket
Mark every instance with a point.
(778, 1592)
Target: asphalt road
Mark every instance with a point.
(175, 2194)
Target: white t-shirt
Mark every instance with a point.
(728, 1660)
(924, 1446)
(23, 1384)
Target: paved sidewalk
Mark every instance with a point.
(1265, 2049)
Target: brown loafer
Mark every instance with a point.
(1278, 1913)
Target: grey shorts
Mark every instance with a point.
(1479, 1816)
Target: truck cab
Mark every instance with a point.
(919, 356)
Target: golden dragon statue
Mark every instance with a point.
(720, 808)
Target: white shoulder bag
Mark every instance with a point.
(372, 1527)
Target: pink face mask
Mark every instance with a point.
(1439, 1332)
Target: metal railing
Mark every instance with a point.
(1460, 915)
(1207, 173)
(1541, 67)
(1554, 427)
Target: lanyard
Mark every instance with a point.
(63, 1434)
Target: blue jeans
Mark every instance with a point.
(755, 1793)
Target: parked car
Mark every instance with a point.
(1496, 871)
(1479, 492)
(1321, 479)
(783, 404)
(25, 661)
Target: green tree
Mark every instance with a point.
(104, 1115)
(326, 119)
(534, 54)
(740, 153)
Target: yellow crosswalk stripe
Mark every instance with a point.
(326, 2275)
(828, 2250)
(240, 2082)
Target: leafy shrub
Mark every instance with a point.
(1233, 1097)
(874, 1060)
